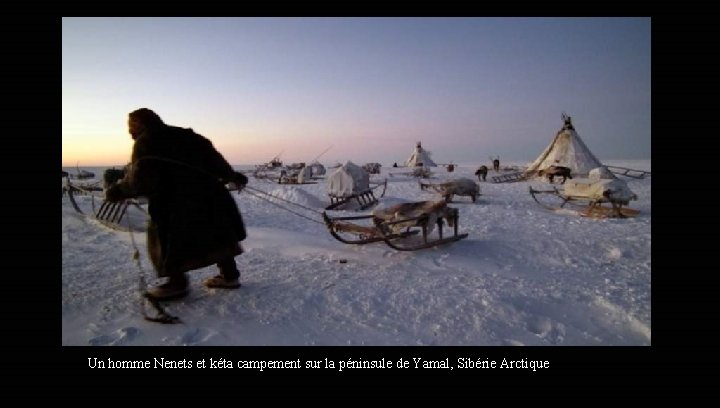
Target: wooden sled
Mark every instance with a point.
(291, 180)
(112, 215)
(365, 199)
(509, 177)
(397, 225)
(586, 206)
(624, 171)
(598, 211)
(293, 177)
(81, 189)
(281, 177)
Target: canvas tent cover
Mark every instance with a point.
(568, 150)
(305, 174)
(418, 156)
(348, 180)
(317, 169)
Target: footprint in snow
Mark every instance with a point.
(554, 333)
(196, 336)
(557, 334)
(117, 338)
(539, 325)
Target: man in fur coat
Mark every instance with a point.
(194, 221)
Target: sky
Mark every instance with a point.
(524, 276)
(366, 89)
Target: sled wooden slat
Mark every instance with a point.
(509, 178)
(624, 171)
(364, 199)
(111, 215)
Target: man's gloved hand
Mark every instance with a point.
(240, 178)
(115, 194)
(240, 181)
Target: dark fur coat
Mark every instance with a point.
(195, 221)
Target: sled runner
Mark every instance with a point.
(112, 215)
(397, 226)
(591, 197)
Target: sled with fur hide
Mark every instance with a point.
(590, 198)
(403, 227)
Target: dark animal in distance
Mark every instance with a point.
(481, 173)
(553, 171)
(461, 187)
(372, 168)
(496, 165)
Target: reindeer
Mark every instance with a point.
(559, 171)
(372, 168)
(496, 164)
(481, 173)
(461, 187)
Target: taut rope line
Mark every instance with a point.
(283, 207)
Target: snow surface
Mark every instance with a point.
(524, 276)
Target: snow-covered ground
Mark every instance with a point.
(524, 276)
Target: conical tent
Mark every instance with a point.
(420, 157)
(568, 150)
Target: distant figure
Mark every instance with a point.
(553, 171)
(450, 168)
(395, 164)
(496, 165)
(481, 173)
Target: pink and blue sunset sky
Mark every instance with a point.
(468, 88)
